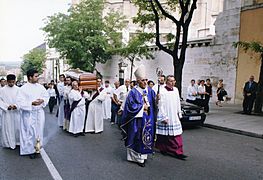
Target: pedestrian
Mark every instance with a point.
(201, 93)
(67, 89)
(52, 97)
(160, 85)
(192, 93)
(31, 99)
(220, 92)
(138, 120)
(10, 113)
(94, 121)
(169, 129)
(115, 104)
(249, 93)
(150, 83)
(77, 109)
(61, 113)
(2, 82)
(208, 95)
(120, 95)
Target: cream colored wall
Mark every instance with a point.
(259, 1)
(251, 29)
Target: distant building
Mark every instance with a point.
(54, 65)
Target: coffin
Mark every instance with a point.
(88, 81)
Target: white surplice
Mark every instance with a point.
(107, 103)
(32, 117)
(77, 118)
(1, 111)
(169, 110)
(61, 115)
(94, 122)
(10, 118)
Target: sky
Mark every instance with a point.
(20, 23)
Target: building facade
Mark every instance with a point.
(251, 29)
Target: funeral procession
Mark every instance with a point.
(131, 89)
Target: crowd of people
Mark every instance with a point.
(147, 114)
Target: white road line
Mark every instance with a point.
(53, 171)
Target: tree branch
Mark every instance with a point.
(157, 26)
(193, 7)
(177, 41)
(172, 18)
(181, 4)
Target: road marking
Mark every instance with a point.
(53, 171)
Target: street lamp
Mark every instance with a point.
(122, 66)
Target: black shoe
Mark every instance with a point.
(164, 153)
(141, 164)
(180, 156)
(32, 156)
(82, 134)
(76, 135)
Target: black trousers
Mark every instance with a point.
(248, 104)
(206, 103)
(114, 111)
(51, 103)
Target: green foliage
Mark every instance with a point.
(34, 59)
(84, 36)
(253, 46)
(136, 47)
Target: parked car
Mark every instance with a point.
(192, 114)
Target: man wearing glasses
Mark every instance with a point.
(138, 120)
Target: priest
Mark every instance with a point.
(31, 99)
(61, 88)
(94, 121)
(169, 129)
(138, 120)
(107, 103)
(77, 109)
(10, 113)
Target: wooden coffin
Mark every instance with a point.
(88, 81)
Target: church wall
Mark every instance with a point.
(216, 61)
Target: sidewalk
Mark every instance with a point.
(229, 118)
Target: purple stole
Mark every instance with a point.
(97, 93)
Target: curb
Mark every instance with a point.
(236, 131)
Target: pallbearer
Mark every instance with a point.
(138, 120)
(77, 109)
(94, 121)
(31, 99)
(10, 113)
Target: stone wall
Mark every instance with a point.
(215, 61)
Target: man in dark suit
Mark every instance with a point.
(249, 93)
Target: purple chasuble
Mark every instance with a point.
(139, 132)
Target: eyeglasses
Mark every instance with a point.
(144, 79)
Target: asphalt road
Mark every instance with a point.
(212, 154)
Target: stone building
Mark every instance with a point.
(251, 29)
(214, 28)
(54, 65)
(210, 53)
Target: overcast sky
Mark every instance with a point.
(20, 23)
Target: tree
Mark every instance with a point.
(136, 49)
(84, 36)
(256, 47)
(149, 15)
(34, 59)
